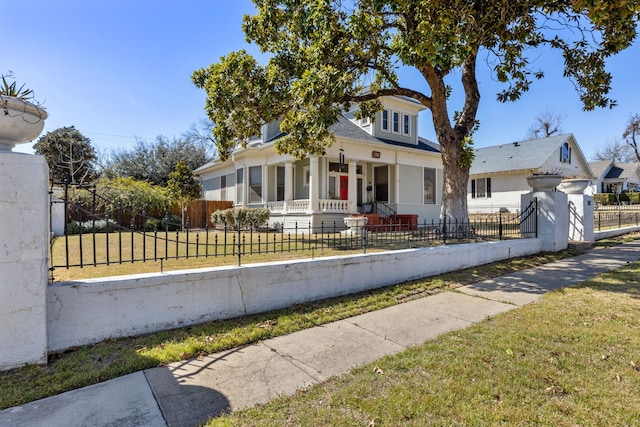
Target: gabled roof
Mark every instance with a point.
(623, 171)
(600, 167)
(515, 156)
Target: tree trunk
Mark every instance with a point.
(456, 178)
(452, 142)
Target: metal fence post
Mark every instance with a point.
(444, 230)
(239, 244)
(535, 214)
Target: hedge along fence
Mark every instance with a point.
(616, 198)
(247, 217)
(124, 200)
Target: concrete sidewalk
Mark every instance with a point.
(188, 393)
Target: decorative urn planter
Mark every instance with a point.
(544, 182)
(574, 186)
(355, 224)
(20, 122)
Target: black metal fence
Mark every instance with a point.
(93, 238)
(615, 219)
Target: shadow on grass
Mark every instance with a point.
(625, 280)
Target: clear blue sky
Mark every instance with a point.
(121, 69)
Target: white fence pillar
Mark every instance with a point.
(24, 251)
(553, 218)
(581, 218)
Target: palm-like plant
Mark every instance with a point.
(12, 89)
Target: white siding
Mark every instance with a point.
(410, 188)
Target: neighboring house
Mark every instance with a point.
(611, 177)
(373, 166)
(498, 173)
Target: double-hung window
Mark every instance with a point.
(429, 180)
(481, 188)
(255, 184)
(385, 120)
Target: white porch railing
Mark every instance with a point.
(298, 206)
(276, 207)
(334, 206)
(292, 206)
(302, 206)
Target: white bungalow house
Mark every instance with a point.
(379, 166)
(498, 173)
(611, 177)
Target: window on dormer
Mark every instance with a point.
(396, 122)
(406, 124)
(385, 120)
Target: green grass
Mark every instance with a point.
(110, 359)
(571, 359)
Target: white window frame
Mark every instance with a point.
(565, 153)
(475, 194)
(240, 187)
(278, 184)
(306, 174)
(384, 122)
(434, 198)
(406, 124)
(251, 185)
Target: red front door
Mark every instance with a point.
(344, 188)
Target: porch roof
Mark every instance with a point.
(623, 171)
(600, 167)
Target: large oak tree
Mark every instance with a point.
(326, 54)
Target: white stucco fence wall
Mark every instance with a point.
(605, 234)
(89, 311)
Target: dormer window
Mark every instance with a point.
(385, 120)
(406, 124)
(396, 122)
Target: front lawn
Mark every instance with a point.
(571, 359)
(88, 365)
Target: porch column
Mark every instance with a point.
(353, 187)
(265, 185)
(288, 181)
(314, 184)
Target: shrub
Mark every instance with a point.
(133, 195)
(99, 226)
(154, 224)
(248, 217)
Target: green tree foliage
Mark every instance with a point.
(127, 194)
(326, 54)
(183, 187)
(69, 155)
(154, 161)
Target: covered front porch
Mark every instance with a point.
(325, 189)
